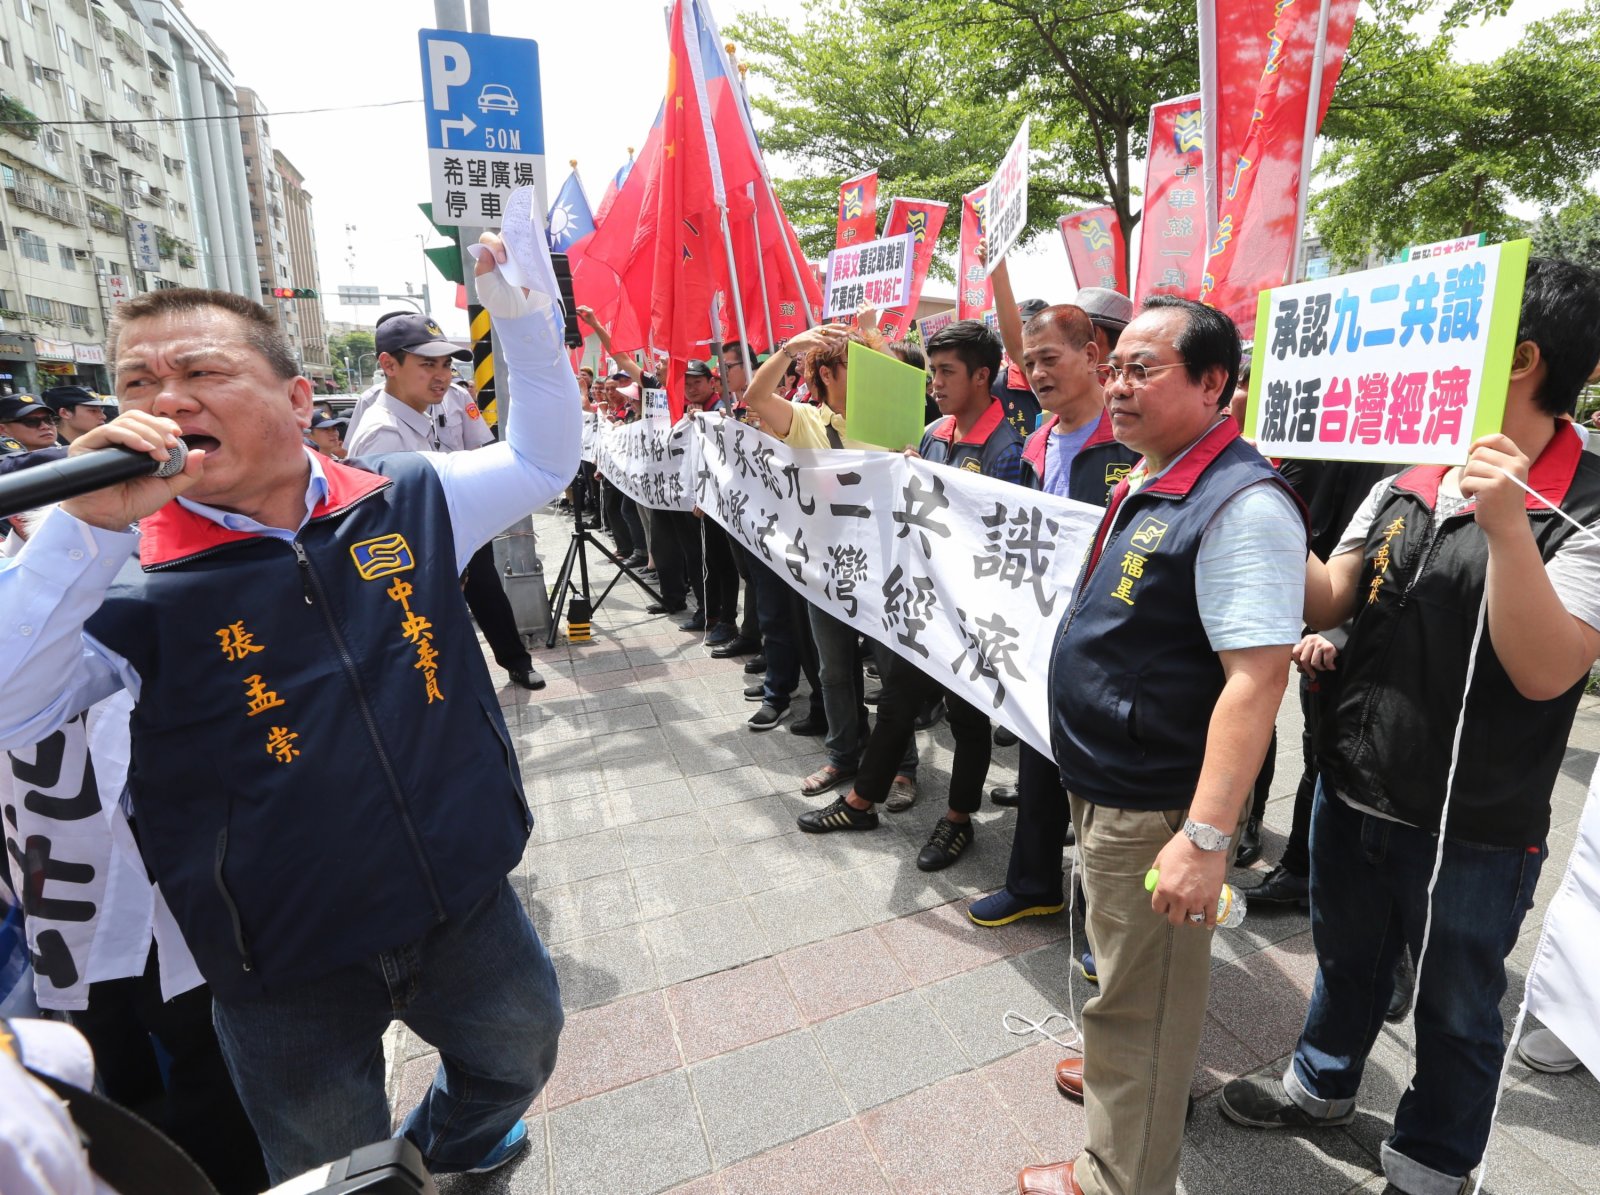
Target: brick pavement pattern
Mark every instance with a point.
(753, 1010)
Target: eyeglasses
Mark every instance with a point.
(1135, 373)
(37, 421)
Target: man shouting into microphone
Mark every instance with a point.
(322, 782)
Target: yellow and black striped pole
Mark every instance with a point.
(482, 361)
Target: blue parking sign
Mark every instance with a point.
(485, 123)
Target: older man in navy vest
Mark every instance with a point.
(321, 776)
(1164, 682)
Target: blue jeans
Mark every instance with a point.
(308, 1062)
(839, 669)
(1369, 896)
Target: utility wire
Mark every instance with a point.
(44, 120)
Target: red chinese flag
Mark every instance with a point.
(613, 267)
(1258, 179)
(1094, 247)
(924, 220)
(858, 210)
(974, 290)
(1172, 237)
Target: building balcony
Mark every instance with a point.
(36, 201)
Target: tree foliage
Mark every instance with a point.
(1572, 233)
(1424, 148)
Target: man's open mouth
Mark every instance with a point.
(204, 443)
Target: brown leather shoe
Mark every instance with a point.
(1069, 1078)
(1055, 1179)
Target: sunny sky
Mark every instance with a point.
(603, 67)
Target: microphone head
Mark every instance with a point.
(174, 462)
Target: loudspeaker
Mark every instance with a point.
(574, 337)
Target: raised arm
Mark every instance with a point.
(628, 365)
(1005, 307)
(762, 396)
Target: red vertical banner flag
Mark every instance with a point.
(858, 210)
(974, 290)
(1094, 247)
(1258, 180)
(924, 220)
(1172, 240)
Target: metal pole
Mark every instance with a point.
(427, 299)
(761, 270)
(738, 301)
(1313, 106)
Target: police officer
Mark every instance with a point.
(77, 409)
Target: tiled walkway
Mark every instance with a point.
(755, 1010)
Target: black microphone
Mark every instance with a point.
(41, 485)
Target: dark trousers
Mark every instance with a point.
(587, 488)
(1297, 851)
(622, 520)
(750, 624)
(683, 529)
(491, 609)
(1043, 817)
(722, 575)
(783, 647)
(905, 689)
(666, 552)
(1263, 787)
(195, 1104)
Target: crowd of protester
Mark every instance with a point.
(248, 1026)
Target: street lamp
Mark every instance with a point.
(361, 368)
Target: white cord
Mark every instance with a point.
(1071, 1018)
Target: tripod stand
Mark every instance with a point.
(581, 605)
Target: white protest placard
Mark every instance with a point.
(1007, 213)
(1406, 363)
(878, 272)
(653, 403)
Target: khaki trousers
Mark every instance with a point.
(1141, 1032)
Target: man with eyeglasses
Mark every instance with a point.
(1164, 682)
(27, 421)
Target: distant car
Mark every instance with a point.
(497, 97)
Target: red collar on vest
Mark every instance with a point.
(981, 431)
(1016, 379)
(1551, 475)
(1039, 439)
(175, 532)
(1180, 478)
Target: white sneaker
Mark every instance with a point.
(1544, 1051)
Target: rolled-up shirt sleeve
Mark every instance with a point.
(490, 488)
(1250, 571)
(50, 670)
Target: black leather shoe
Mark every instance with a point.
(1405, 988)
(930, 716)
(663, 608)
(1004, 738)
(946, 844)
(1249, 844)
(809, 725)
(754, 666)
(739, 645)
(1280, 888)
(526, 678)
(1004, 794)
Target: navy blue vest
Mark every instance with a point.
(320, 767)
(1133, 678)
(1095, 470)
(990, 439)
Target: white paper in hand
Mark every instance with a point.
(527, 261)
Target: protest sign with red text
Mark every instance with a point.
(878, 272)
(1007, 213)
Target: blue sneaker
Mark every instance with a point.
(1086, 966)
(723, 632)
(1002, 909)
(512, 1144)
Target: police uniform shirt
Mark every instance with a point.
(461, 425)
(391, 426)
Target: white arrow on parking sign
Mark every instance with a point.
(465, 125)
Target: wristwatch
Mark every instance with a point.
(1207, 838)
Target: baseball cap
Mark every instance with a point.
(1109, 308)
(20, 406)
(412, 333)
(57, 397)
(1029, 308)
(328, 421)
(619, 376)
(697, 369)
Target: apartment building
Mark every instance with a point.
(122, 171)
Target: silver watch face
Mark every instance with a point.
(1207, 838)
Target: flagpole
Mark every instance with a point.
(738, 300)
(1313, 110)
(761, 270)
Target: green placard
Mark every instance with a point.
(883, 399)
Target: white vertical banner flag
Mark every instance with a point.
(965, 576)
(1564, 978)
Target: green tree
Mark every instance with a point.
(1572, 233)
(353, 347)
(1423, 148)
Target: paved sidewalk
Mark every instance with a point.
(753, 1010)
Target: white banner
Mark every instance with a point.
(1007, 213)
(1564, 978)
(965, 576)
